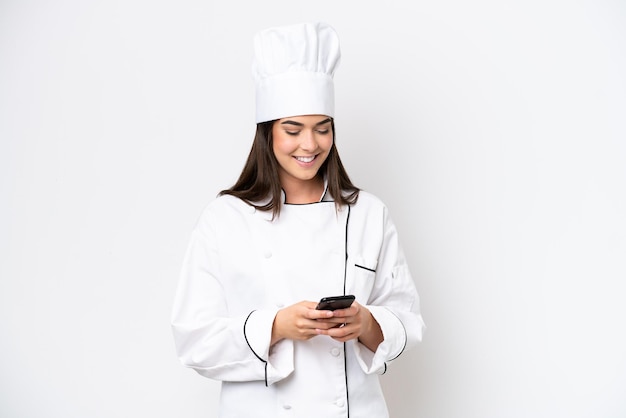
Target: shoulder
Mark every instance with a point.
(368, 200)
(223, 209)
(225, 203)
(369, 209)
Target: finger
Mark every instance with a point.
(345, 339)
(326, 325)
(329, 325)
(338, 321)
(345, 336)
(341, 331)
(308, 304)
(319, 314)
(312, 324)
(344, 313)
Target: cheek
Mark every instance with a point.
(327, 143)
(277, 141)
(280, 146)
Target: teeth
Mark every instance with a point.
(305, 159)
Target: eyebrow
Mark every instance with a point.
(292, 122)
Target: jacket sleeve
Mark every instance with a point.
(210, 340)
(394, 304)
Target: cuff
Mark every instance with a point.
(394, 342)
(258, 334)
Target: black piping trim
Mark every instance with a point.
(406, 336)
(345, 373)
(307, 204)
(311, 203)
(365, 268)
(385, 371)
(345, 265)
(250, 347)
(324, 194)
(345, 351)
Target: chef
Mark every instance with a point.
(292, 230)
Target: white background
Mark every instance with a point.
(495, 131)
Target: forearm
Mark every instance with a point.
(373, 335)
(276, 336)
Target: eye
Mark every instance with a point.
(292, 133)
(323, 131)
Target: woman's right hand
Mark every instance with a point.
(299, 322)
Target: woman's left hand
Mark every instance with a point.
(351, 323)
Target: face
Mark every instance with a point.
(301, 145)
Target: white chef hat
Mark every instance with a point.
(293, 71)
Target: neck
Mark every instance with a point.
(301, 192)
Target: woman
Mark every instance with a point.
(293, 229)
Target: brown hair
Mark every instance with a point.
(259, 178)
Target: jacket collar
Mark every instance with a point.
(325, 197)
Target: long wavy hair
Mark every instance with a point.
(259, 184)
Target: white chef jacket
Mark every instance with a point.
(241, 267)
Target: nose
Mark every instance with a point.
(308, 141)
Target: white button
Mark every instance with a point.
(339, 403)
(335, 351)
(267, 254)
(286, 406)
(251, 209)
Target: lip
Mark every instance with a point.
(306, 164)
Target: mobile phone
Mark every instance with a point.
(331, 303)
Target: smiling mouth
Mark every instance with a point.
(306, 159)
